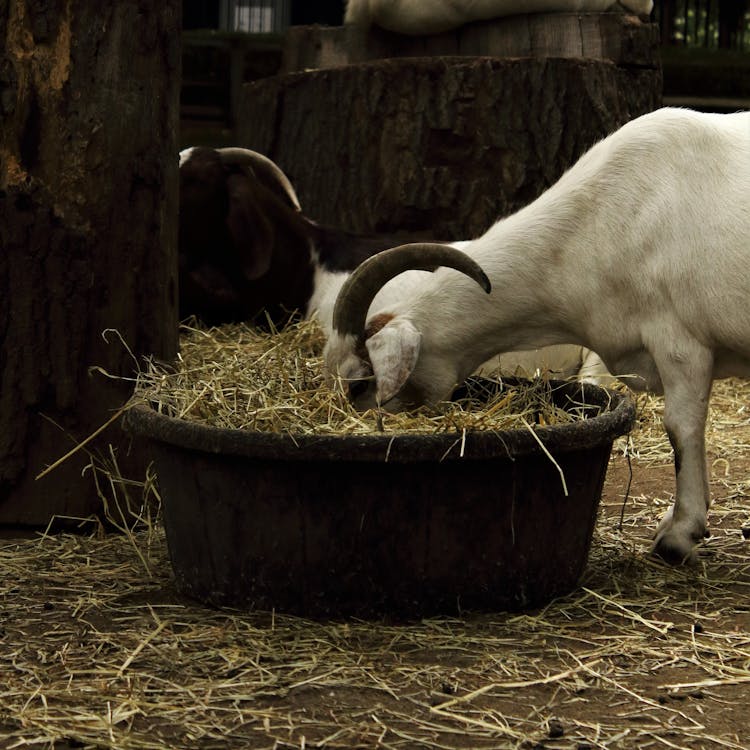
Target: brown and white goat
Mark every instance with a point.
(247, 252)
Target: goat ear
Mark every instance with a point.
(393, 351)
(251, 232)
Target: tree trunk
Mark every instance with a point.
(89, 95)
(445, 144)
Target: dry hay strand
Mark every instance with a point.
(239, 377)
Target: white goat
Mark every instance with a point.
(560, 361)
(639, 252)
(418, 17)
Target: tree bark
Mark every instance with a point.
(89, 96)
(445, 144)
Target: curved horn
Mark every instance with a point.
(267, 171)
(358, 291)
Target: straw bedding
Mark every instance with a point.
(99, 651)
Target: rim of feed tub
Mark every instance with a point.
(616, 416)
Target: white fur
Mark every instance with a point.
(418, 17)
(640, 252)
(185, 154)
(557, 361)
(326, 286)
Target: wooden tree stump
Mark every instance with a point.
(445, 144)
(89, 95)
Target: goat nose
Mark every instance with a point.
(357, 388)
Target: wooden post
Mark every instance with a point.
(89, 97)
(439, 145)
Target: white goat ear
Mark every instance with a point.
(393, 351)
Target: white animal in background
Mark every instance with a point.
(418, 17)
(640, 252)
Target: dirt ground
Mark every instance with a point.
(99, 650)
(717, 706)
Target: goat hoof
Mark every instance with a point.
(674, 549)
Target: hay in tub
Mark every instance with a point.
(238, 377)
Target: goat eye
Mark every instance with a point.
(357, 388)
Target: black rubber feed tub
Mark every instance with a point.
(378, 525)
